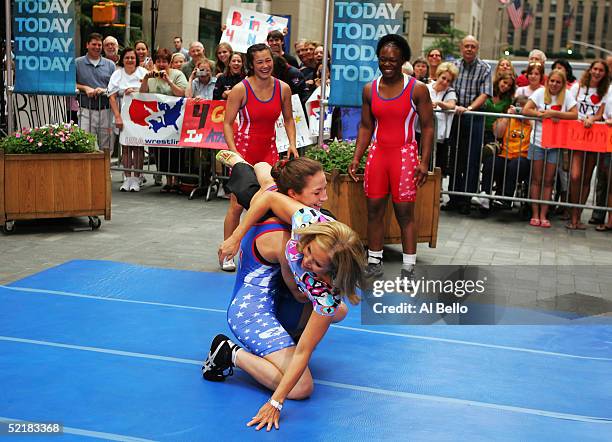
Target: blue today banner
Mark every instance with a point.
(44, 47)
(357, 28)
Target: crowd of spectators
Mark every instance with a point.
(477, 153)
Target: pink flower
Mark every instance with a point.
(325, 147)
(17, 135)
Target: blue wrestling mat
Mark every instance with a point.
(113, 351)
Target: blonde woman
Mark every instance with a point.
(552, 101)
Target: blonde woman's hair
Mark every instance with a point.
(447, 67)
(346, 254)
(561, 96)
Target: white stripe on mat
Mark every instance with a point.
(400, 394)
(78, 431)
(342, 327)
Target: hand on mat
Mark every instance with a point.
(228, 248)
(267, 415)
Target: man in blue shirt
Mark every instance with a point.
(93, 73)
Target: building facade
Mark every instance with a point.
(201, 20)
(557, 23)
(424, 22)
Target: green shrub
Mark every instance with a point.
(336, 155)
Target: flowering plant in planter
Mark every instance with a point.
(336, 156)
(52, 138)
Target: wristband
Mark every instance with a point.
(275, 404)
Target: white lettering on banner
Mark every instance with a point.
(43, 44)
(43, 7)
(31, 24)
(355, 52)
(32, 63)
(365, 31)
(356, 10)
(352, 73)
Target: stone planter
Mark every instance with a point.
(54, 186)
(347, 201)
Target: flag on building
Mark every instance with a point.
(528, 17)
(515, 12)
(568, 18)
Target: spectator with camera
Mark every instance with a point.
(201, 83)
(165, 81)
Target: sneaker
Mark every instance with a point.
(484, 202)
(228, 158)
(218, 364)
(374, 269)
(126, 185)
(134, 186)
(228, 265)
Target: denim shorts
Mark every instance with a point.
(536, 153)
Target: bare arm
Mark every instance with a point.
(530, 110)
(315, 329)
(235, 100)
(283, 207)
(116, 111)
(286, 271)
(426, 117)
(288, 119)
(366, 129)
(571, 114)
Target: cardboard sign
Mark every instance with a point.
(302, 136)
(246, 27)
(203, 124)
(571, 134)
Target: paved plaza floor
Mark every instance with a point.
(169, 231)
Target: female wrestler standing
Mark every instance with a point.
(260, 99)
(391, 105)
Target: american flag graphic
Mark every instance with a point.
(528, 17)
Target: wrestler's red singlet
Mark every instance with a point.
(256, 137)
(393, 155)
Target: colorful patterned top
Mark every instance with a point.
(325, 298)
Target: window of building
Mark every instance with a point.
(591, 36)
(209, 32)
(553, 7)
(540, 6)
(524, 39)
(536, 41)
(580, 8)
(538, 24)
(550, 42)
(435, 23)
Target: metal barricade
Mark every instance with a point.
(478, 165)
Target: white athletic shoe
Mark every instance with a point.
(228, 265)
(126, 185)
(134, 186)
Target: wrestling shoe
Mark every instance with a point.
(374, 269)
(228, 158)
(218, 364)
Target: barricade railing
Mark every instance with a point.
(478, 164)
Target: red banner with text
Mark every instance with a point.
(571, 134)
(203, 124)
